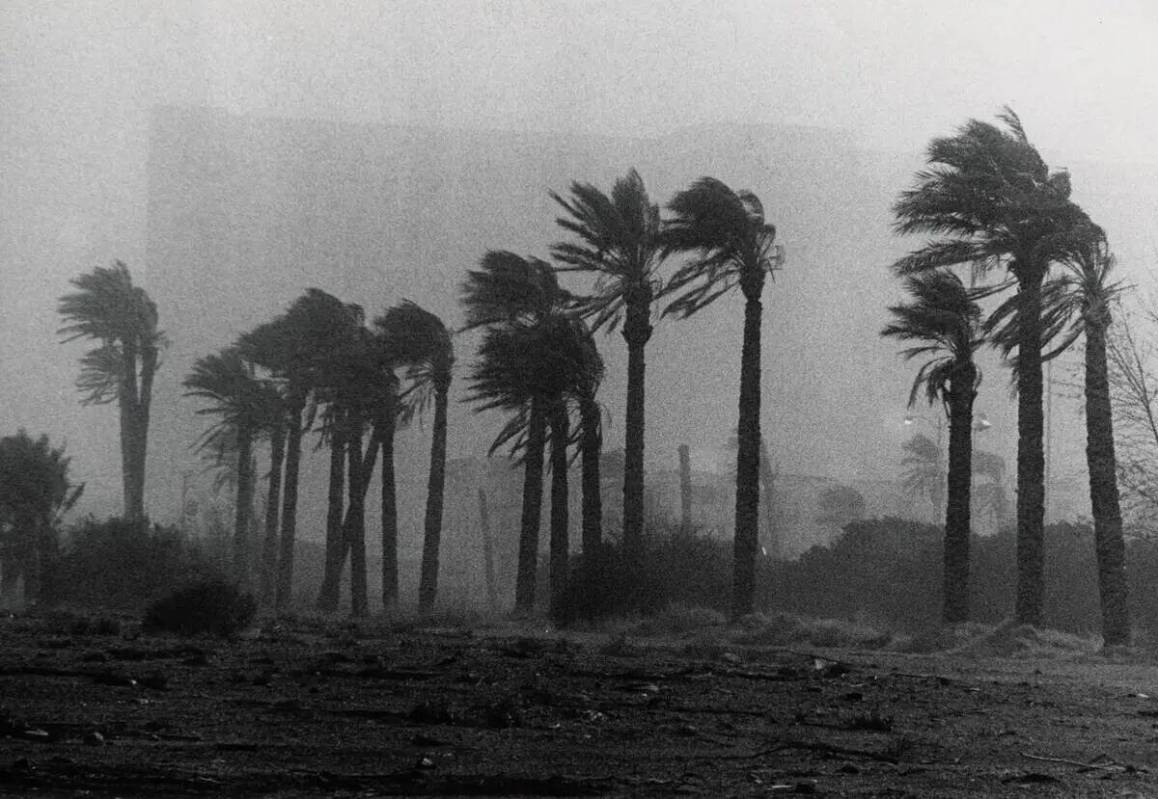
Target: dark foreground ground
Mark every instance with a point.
(305, 710)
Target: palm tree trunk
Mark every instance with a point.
(1030, 453)
(685, 489)
(340, 444)
(592, 443)
(149, 360)
(386, 426)
(767, 501)
(636, 332)
(242, 538)
(1109, 542)
(746, 540)
(289, 510)
(560, 543)
(272, 515)
(126, 405)
(353, 531)
(532, 507)
(488, 550)
(957, 509)
(428, 582)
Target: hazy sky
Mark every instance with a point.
(77, 80)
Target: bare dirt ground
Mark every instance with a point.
(307, 709)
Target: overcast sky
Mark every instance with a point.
(77, 80)
(896, 72)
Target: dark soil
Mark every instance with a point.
(305, 710)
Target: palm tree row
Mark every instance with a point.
(537, 359)
(992, 203)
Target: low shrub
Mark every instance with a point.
(121, 564)
(209, 607)
(677, 569)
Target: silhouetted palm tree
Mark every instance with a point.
(122, 320)
(512, 297)
(347, 385)
(246, 408)
(296, 347)
(421, 343)
(731, 245)
(991, 201)
(618, 239)
(389, 414)
(944, 324)
(1077, 302)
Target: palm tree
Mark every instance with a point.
(924, 470)
(588, 375)
(991, 201)
(944, 324)
(990, 495)
(618, 240)
(347, 386)
(1078, 302)
(122, 320)
(512, 297)
(35, 491)
(296, 348)
(246, 407)
(731, 245)
(421, 343)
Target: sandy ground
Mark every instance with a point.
(310, 708)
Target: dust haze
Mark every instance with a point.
(234, 156)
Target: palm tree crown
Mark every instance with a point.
(735, 244)
(618, 240)
(945, 321)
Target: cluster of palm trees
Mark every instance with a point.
(321, 365)
(991, 203)
(987, 198)
(537, 361)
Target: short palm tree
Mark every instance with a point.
(924, 470)
(731, 244)
(421, 343)
(991, 201)
(617, 238)
(943, 323)
(122, 320)
(246, 408)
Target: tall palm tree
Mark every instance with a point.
(1078, 303)
(943, 323)
(731, 244)
(588, 375)
(991, 201)
(513, 297)
(347, 386)
(246, 408)
(421, 343)
(296, 348)
(122, 320)
(617, 238)
(534, 372)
